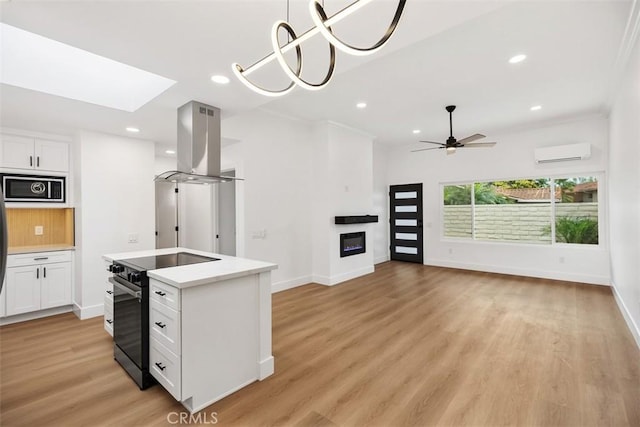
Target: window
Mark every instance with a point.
(523, 210)
(577, 211)
(458, 215)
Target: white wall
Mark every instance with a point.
(274, 158)
(624, 194)
(511, 158)
(342, 185)
(114, 196)
(380, 203)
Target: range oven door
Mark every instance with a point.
(127, 319)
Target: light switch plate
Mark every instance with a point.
(133, 237)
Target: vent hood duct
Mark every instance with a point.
(198, 146)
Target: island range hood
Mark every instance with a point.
(199, 144)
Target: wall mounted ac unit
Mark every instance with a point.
(562, 153)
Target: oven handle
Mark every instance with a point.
(115, 282)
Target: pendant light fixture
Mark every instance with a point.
(323, 26)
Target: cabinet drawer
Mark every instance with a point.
(38, 258)
(165, 294)
(165, 367)
(108, 293)
(164, 325)
(108, 318)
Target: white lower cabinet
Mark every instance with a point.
(164, 326)
(165, 346)
(108, 313)
(23, 290)
(108, 301)
(55, 288)
(37, 281)
(166, 368)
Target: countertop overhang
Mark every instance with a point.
(184, 276)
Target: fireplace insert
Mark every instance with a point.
(352, 244)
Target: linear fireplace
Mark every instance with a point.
(352, 244)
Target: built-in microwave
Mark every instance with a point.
(33, 188)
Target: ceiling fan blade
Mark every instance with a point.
(471, 138)
(431, 142)
(479, 145)
(425, 149)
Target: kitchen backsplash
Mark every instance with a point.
(35, 227)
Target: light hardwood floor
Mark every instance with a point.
(407, 345)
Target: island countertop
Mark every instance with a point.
(184, 276)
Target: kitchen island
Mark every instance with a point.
(209, 325)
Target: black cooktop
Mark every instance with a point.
(164, 261)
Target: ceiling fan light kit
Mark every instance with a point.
(452, 143)
(323, 26)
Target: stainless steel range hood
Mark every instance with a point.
(199, 143)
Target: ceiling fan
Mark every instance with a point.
(452, 144)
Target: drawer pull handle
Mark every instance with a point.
(159, 365)
(161, 293)
(161, 325)
(109, 321)
(41, 258)
(110, 292)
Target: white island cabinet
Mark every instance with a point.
(210, 326)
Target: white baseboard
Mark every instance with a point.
(290, 284)
(88, 312)
(339, 278)
(35, 315)
(266, 367)
(555, 275)
(381, 259)
(321, 280)
(633, 327)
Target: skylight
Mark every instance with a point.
(38, 63)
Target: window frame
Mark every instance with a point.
(602, 239)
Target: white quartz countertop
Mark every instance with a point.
(185, 276)
(13, 250)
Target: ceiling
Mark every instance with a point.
(443, 52)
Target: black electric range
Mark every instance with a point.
(131, 309)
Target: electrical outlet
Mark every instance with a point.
(39, 230)
(561, 260)
(259, 234)
(450, 251)
(133, 237)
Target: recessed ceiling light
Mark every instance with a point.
(34, 62)
(361, 105)
(223, 80)
(132, 129)
(517, 58)
(416, 131)
(536, 107)
(170, 152)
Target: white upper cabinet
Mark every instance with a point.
(20, 152)
(17, 152)
(52, 155)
